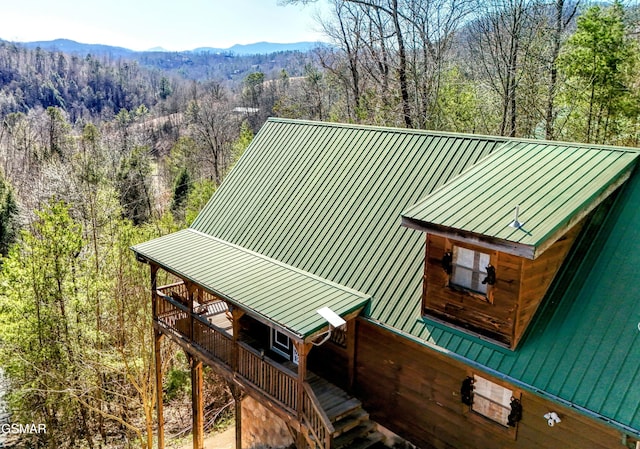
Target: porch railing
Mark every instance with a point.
(315, 419)
(171, 313)
(271, 378)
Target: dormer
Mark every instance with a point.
(497, 234)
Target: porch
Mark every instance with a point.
(317, 413)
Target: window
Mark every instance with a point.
(491, 400)
(469, 269)
(280, 343)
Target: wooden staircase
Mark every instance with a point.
(352, 427)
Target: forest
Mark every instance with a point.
(99, 153)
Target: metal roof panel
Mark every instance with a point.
(280, 293)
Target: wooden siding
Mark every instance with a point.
(494, 320)
(510, 304)
(415, 392)
(537, 276)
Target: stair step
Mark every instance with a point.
(350, 437)
(365, 442)
(350, 421)
(342, 409)
(330, 400)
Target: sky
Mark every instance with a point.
(174, 25)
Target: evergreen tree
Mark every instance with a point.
(598, 60)
(181, 189)
(8, 217)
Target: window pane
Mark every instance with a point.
(282, 340)
(483, 262)
(469, 269)
(280, 343)
(464, 257)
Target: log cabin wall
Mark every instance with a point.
(537, 276)
(493, 318)
(510, 304)
(415, 392)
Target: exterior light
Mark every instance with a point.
(552, 418)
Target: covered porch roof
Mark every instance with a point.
(271, 291)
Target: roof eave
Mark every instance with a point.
(586, 208)
(505, 246)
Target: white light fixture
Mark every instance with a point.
(332, 318)
(552, 418)
(515, 223)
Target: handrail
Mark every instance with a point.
(173, 302)
(272, 378)
(203, 333)
(315, 417)
(181, 289)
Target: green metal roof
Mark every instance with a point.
(272, 290)
(583, 347)
(326, 198)
(554, 185)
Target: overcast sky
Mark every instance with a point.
(172, 24)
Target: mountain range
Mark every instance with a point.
(70, 46)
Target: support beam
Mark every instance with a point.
(236, 314)
(237, 398)
(197, 408)
(303, 351)
(351, 353)
(157, 343)
(159, 405)
(154, 290)
(192, 297)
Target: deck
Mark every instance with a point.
(324, 414)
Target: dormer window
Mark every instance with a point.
(469, 269)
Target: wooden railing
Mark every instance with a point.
(213, 340)
(177, 317)
(315, 419)
(270, 377)
(173, 314)
(179, 290)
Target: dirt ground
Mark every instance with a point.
(222, 440)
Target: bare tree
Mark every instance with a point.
(213, 126)
(500, 39)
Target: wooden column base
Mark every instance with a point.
(196, 403)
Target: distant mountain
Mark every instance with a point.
(69, 46)
(259, 48)
(160, 49)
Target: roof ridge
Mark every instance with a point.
(391, 129)
(282, 264)
(486, 137)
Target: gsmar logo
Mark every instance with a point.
(15, 429)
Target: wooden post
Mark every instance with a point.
(236, 314)
(351, 353)
(154, 290)
(237, 397)
(191, 293)
(160, 409)
(157, 343)
(303, 350)
(197, 408)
